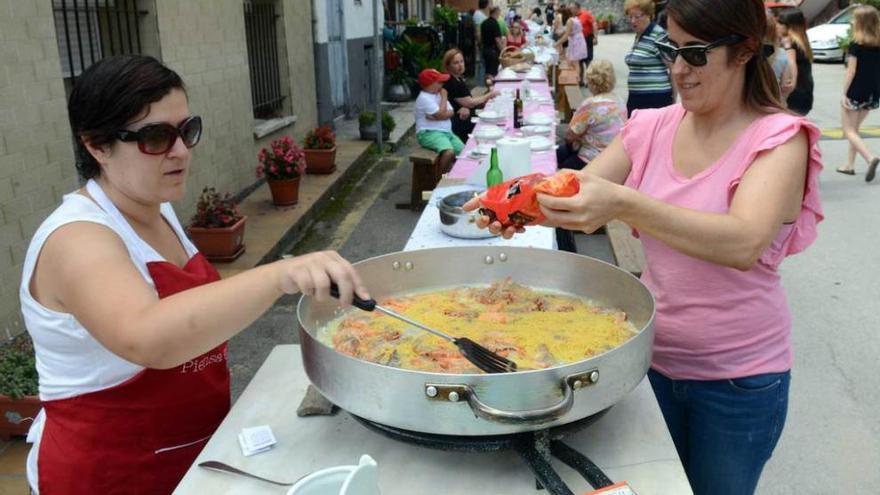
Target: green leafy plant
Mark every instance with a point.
(845, 41)
(368, 118)
(412, 21)
(320, 138)
(215, 210)
(445, 15)
(411, 51)
(18, 370)
(282, 160)
(400, 77)
(427, 62)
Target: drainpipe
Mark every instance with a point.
(315, 53)
(377, 74)
(346, 88)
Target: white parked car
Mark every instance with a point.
(825, 38)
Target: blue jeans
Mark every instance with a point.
(724, 430)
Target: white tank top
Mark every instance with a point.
(70, 362)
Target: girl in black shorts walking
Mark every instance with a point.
(861, 86)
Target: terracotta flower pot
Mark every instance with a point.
(219, 243)
(320, 161)
(16, 415)
(285, 192)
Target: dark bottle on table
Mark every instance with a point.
(517, 111)
(494, 175)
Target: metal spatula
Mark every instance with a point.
(480, 356)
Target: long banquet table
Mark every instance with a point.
(427, 232)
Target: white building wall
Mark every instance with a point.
(358, 19)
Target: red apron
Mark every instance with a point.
(140, 436)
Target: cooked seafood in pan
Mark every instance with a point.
(536, 329)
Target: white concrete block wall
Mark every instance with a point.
(36, 155)
(203, 40)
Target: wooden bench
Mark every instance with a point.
(627, 250)
(426, 174)
(573, 99)
(567, 78)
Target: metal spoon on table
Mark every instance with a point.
(226, 468)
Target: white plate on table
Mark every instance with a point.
(488, 133)
(535, 130)
(539, 119)
(481, 151)
(491, 116)
(540, 143)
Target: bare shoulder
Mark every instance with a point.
(75, 258)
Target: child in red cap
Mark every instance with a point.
(433, 119)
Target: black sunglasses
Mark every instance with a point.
(694, 55)
(158, 139)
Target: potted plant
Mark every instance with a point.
(282, 164)
(217, 228)
(399, 86)
(609, 26)
(367, 127)
(602, 22)
(19, 403)
(319, 147)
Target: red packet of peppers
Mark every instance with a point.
(515, 202)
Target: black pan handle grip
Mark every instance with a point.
(358, 302)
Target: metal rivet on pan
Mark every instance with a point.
(453, 396)
(408, 266)
(577, 384)
(431, 391)
(502, 256)
(594, 376)
(489, 260)
(395, 265)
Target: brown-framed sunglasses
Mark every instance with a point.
(158, 139)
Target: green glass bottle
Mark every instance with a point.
(494, 175)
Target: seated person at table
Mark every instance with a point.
(517, 37)
(434, 119)
(597, 120)
(459, 94)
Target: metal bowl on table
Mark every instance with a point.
(456, 222)
(483, 404)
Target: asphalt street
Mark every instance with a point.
(831, 440)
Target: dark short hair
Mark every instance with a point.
(108, 96)
(517, 18)
(483, 4)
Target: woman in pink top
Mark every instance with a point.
(720, 189)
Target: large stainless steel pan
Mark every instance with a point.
(480, 404)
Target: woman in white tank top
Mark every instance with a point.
(129, 321)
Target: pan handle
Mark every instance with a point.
(456, 393)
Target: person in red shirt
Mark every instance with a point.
(516, 38)
(588, 23)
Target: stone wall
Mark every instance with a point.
(36, 153)
(203, 40)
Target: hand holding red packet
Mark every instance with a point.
(515, 202)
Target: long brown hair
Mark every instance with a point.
(866, 26)
(793, 19)
(711, 20)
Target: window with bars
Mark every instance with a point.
(261, 20)
(89, 30)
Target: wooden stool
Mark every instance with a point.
(426, 174)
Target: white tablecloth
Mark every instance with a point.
(427, 233)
